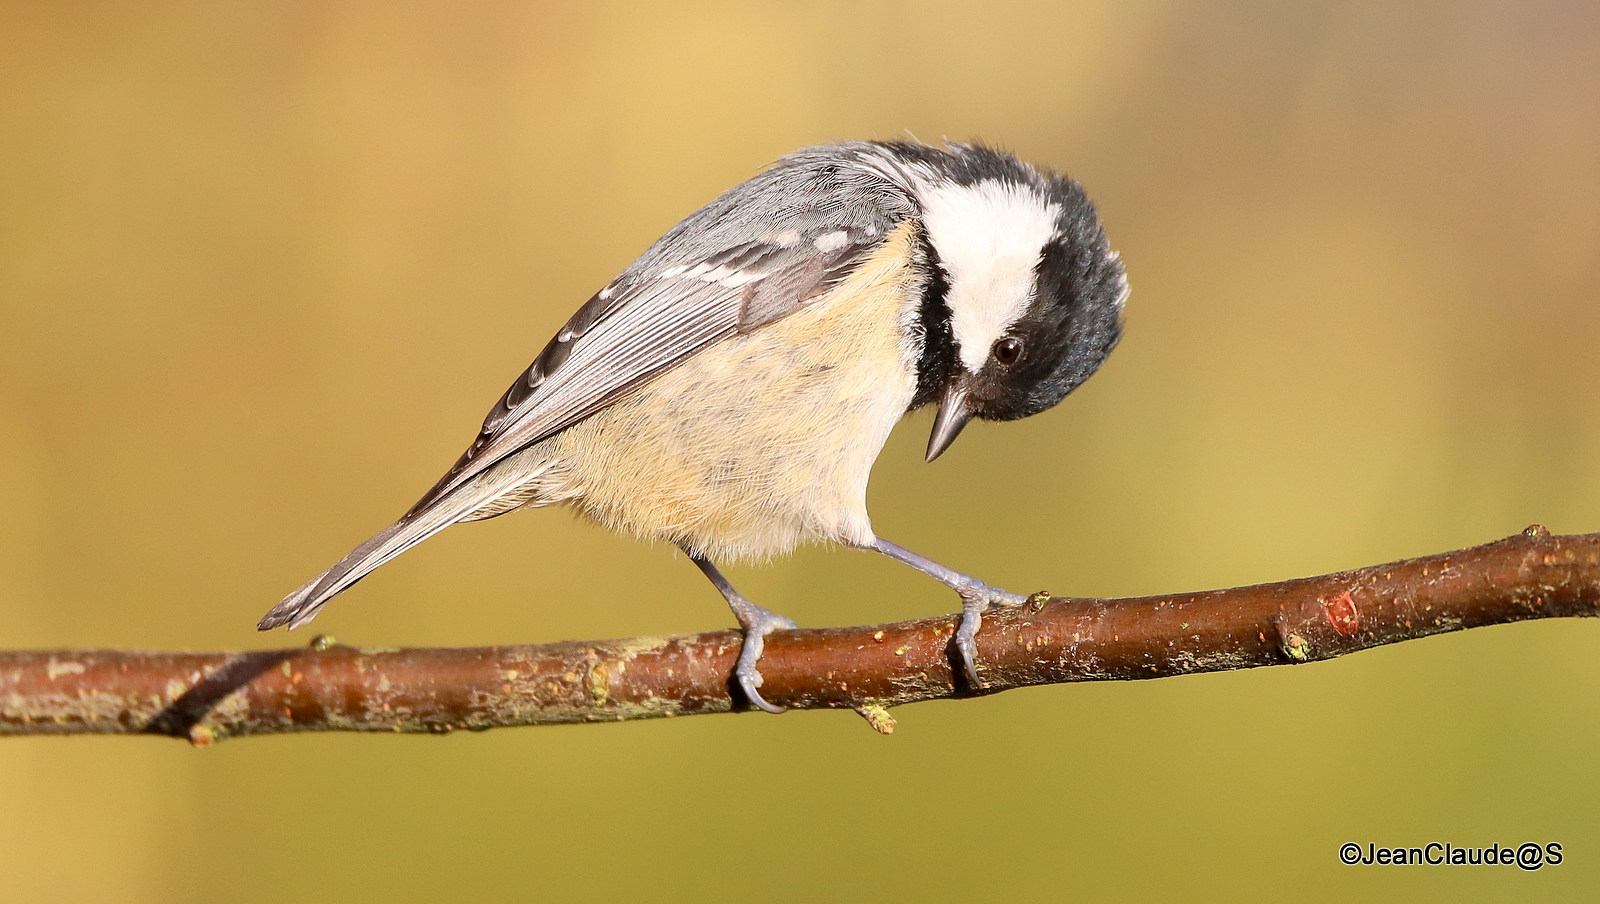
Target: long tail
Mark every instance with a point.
(489, 494)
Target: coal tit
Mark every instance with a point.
(729, 391)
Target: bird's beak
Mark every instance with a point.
(953, 415)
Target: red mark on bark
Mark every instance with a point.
(1342, 614)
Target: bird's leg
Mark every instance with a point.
(757, 624)
(976, 596)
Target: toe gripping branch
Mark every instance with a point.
(757, 623)
(976, 598)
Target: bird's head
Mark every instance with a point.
(1032, 292)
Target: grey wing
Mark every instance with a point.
(713, 276)
(759, 252)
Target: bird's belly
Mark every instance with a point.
(756, 444)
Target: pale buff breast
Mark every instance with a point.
(761, 441)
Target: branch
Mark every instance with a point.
(330, 687)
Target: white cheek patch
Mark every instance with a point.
(989, 236)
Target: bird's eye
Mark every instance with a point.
(1008, 350)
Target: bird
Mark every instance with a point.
(729, 391)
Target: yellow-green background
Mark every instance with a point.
(263, 268)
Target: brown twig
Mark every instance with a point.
(329, 687)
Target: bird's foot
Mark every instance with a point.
(976, 598)
(757, 624)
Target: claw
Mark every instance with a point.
(757, 623)
(748, 682)
(973, 602)
(975, 598)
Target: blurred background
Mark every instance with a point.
(265, 266)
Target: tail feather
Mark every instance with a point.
(463, 504)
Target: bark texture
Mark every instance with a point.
(326, 686)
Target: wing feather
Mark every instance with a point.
(702, 282)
